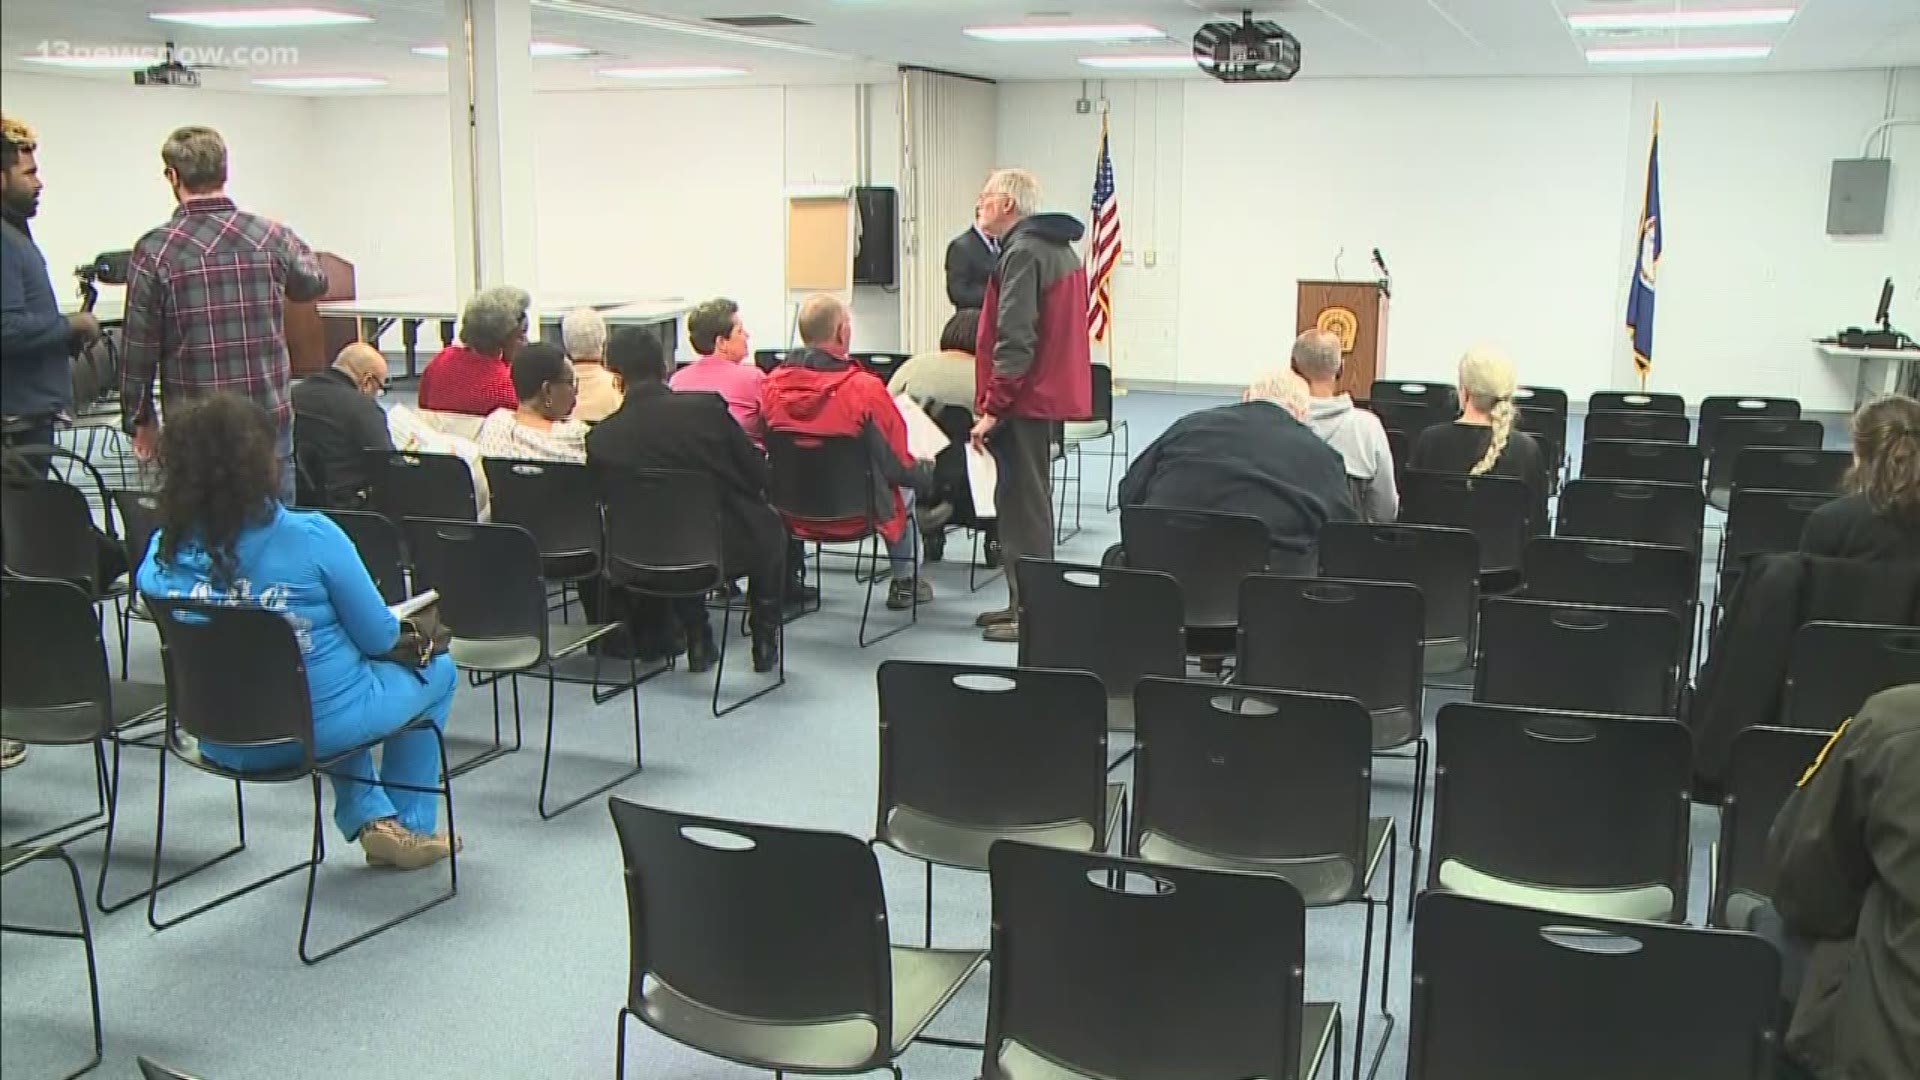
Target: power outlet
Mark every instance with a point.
(1152, 259)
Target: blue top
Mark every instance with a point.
(36, 377)
(302, 565)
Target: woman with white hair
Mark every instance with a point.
(474, 376)
(1483, 440)
(597, 395)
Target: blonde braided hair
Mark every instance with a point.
(1487, 382)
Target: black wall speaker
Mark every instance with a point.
(876, 261)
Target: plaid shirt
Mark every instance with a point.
(204, 308)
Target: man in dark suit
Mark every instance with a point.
(971, 259)
(655, 428)
(336, 420)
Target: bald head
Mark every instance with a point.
(825, 322)
(363, 364)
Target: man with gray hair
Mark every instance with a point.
(206, 300)
(583, 333)
(1356, 434)
(474, 376)
(1252, 458)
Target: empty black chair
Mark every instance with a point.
(1547, 655)
(1670, 427)
(1568, 811)
(1835, 667)
(1763, 766)
(768, 359)
(19, 856)
(1549, 429)
(768, 946)
(1778, 468)
(1646, 462)
(1760, 522)
(1441, 399)
(1670, 514)
(1210, 980)
(882, 364)
(1500, 511)
(1123, 625)
(49, 533)
(1209, 553)
(1572, 570)
(1100, 424)
(1737, 433)
(1504, 992)
(555, 501)
(1542, 397)
(1443, 563)
(382, 550)
(408, 483)
(1636, 401)
(1713, 410)
(1409, 418)
(814, 479)
(139, 519)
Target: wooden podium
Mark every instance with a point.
(1357, 311)
(313, 341)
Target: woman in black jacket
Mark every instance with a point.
(1879, 517)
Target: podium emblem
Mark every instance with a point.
(1342, 323)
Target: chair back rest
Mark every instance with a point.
(49, 532)
(1547, 655)
(488, 577)
(1761, 521)
(1498, 510)
(1207, 551)
(992, 747)
(1549, 428)
(1569, 800)
(1443, 563)
(1102, 394)
(139, 519)
(1671, 514)
(1736, 433)
(756, 922)
(235, 675)
(1210, 981)
(1635, 401)
(49, 462)
(410, 483)
(663, 530)
(553, 500)
(824, 478)
(883, 364)
(768, 359)
(1357, 639)
(1645, 461)
(1246, 774)
(1834, 667)
(1638, 426)
(1502, 990)
(1714, 410)
(1442, 398)
(53, 660)
(1123, 625)
(1763, 766)
(1571, 570)
(1542, 397)
(1409, 418)
(381, 547)
(1782, 468)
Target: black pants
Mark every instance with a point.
(1023, 501)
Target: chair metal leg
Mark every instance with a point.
(499, 748)
(546, 756)
(1421, 748)
(866, 609)
(84, 935)
(159, 843)
(88, 823)
(928, 939)
(720, 668)
(620, 1044)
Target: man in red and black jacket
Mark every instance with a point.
(820, 391)
(1034, 368)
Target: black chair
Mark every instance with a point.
(1714, 410)
(1209, 979)
(1500, 511)
(1834, 667)
(1443, 563)
(555, 501)
(1571, 570)
(1644, 462)
(16, 857)
(1547, 655)
(382, 550)
(1504, 992)
(1760, 522)
(235, 676)
(153, 1070)
(768, 947)
(1735, 434)
(768, 359)
(1763, 766)
(1565, 811)
(1442, 399)
(316, 485)
(664, 540)
(882, 364)
(408, 483)
(1670, 514)
(493, 601)
(971, 754)
(1208, 552)
(1542, 397)
(1635, 401)
(1267, 782)
(814, 479)
(139, 513)
(1648, 426)
(50, 533)
(1100, 424)
(950, 476)
(1410, 418)
(1791, 468)
(1122, 625)
(1549, 429)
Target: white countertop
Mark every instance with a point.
(1842, 352)
(554, 306)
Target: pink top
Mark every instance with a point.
(738, 383)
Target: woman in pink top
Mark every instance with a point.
(717, 335)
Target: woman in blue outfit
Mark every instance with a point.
(225, 537)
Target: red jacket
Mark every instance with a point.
(819, 393)
(461, 380)
(1033, 360)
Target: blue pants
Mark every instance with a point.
(411, 757)
(904, 552)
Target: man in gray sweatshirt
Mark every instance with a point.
(1355, 433)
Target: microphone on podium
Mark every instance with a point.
(1386, 278)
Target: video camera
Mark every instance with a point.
(108, 266)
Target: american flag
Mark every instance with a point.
(1105, 253)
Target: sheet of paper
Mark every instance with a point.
(413, 605)
(925, 440)
(983, 476)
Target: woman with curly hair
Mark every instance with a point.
(225, 536)
(1879, 517)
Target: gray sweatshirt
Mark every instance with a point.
(1362, 444)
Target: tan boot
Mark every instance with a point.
(387, 843)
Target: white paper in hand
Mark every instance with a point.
(983, 477)
(415, 604)
(925, 440)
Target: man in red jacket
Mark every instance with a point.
(1033, 367)
(820, 391)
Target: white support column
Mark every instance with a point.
(490, 109)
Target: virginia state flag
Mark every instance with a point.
(1646, 262)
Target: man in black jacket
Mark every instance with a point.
(971, 259)
(655, 428)
(336, 420)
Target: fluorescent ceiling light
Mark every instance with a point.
(94, 62)
(1681, 20)
(1141, 63)
(260, 18)
(699, 72)
(1663, 54)
(1066, 32)
(540, 50)
(321, 82)
(677, 26)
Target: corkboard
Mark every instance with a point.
(820, 243)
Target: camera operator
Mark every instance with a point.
(37, 343)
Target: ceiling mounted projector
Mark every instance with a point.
(1247, 51)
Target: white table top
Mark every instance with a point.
(1842, 352)
(553, 306)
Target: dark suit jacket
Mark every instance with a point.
(970, 262)
(334, 426)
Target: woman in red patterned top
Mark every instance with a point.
(474, 376)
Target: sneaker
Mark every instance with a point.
(12, 753)
(1005, 632)
(993, 618)
(900, 596)
(387, 843)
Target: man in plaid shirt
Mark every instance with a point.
(205, 300)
